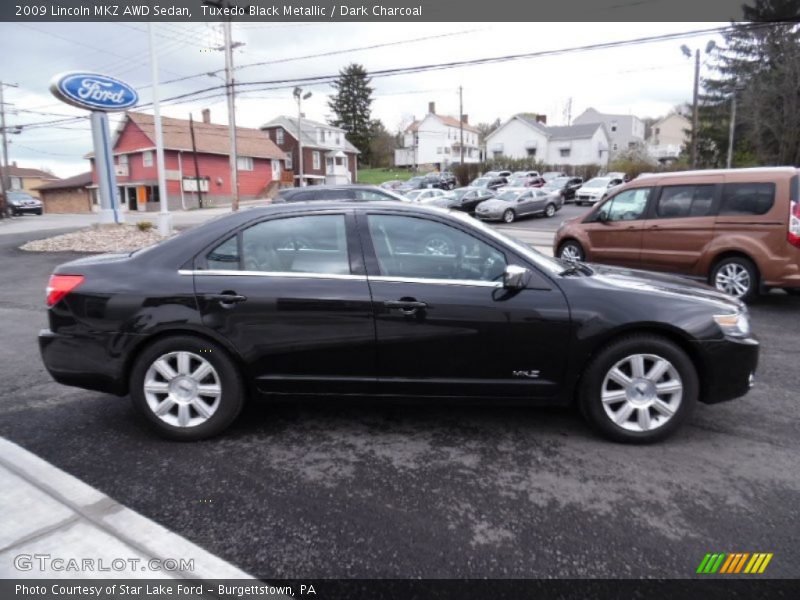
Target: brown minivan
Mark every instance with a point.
(739, 229)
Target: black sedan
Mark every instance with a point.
(387, 299)
(566, 186)
(464, 199)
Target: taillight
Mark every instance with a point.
(793, 235)
(61, 285)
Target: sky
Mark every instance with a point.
(644, 80)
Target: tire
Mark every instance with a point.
(509, 216)
(736, 276)
(39, 212)
(224, 375)
(637, 413)
(574, 251)
(549, 211)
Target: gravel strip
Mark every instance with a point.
(106, 238)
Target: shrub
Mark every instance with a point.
(144, 226)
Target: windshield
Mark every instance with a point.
(413, 195)
(416, 180)
(557, 183)
(19, 196)
(517, 182)
(597, 182)
(481, 182)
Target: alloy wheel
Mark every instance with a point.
(550, 210)
(570, 252)
(641, 392)
(182, 389)
(508, 216)
(733, 279)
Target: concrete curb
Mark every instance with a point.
(48, 511)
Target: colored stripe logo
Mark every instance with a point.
(734, 563)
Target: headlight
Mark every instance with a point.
(736, 325)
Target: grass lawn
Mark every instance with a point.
(378, 176)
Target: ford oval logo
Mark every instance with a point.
(93, 91)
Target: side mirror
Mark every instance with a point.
(602, 216)
(516, 277)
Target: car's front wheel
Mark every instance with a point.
(549, 210)
(187, 388)
(509, 216)
(639, 389)
(571, 250)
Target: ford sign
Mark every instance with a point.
(93, 91)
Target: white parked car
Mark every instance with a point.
(424, 196)
(596, 189)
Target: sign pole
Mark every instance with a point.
(104, 164)
(164, 218)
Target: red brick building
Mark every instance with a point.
(327, 156)
(260, 163)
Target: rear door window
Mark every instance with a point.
(742, 199)
(685, 201)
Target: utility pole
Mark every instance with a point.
(231, 93)
(461, 121)
(299, 96)
(164, 218)
(5, 180)
(732, 129)
(694, 106)
(196, 166)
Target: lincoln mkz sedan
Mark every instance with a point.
(387, 300)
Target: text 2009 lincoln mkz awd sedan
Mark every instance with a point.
(386, 299)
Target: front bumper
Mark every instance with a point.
(729, 368)
(86, 362)
(26, 209)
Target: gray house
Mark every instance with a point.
(624, 131)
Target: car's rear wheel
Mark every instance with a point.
(736, 276)
(571, 250)
(509, 216)
(639, 389)
(187, 388)
(549, 210)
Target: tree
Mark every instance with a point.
(351, 107)
(759, 63)
(381, 146)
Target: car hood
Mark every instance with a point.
(591, 191)
(661, 283)
(494, 204)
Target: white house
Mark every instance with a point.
(524, 136)
(624, 131)
(435, 140)
(667, 137)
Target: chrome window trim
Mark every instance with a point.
(296, 275)
(236, 273)
(423, 280)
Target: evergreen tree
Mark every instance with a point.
(351, 107)
(759, 63)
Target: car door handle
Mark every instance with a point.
(407, 307)
(226, 298)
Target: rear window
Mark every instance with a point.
(685, 201)
(740, 199)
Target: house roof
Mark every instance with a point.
(210, 138)
(532, 121)
(308, 130)
(451, 121)
(573, 132)
(76, 181)
(15, 171)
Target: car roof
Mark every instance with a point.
(349, 186)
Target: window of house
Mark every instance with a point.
(439, 150)
(147, 158)
(418, 248)
(613, 125)
(122, 160)
(289, 166)
(747, 198)
(338, 139)
(658, 130)
(244, 163)
(564, 152)
(16, 183)
(279, 135)
(316, 159)
(532, 152)
(685, 201)
(614, 147)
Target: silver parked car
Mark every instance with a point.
(517, 202)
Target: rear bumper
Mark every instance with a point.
(85, 362)
(729, 368)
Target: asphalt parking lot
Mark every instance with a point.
(358, 489)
